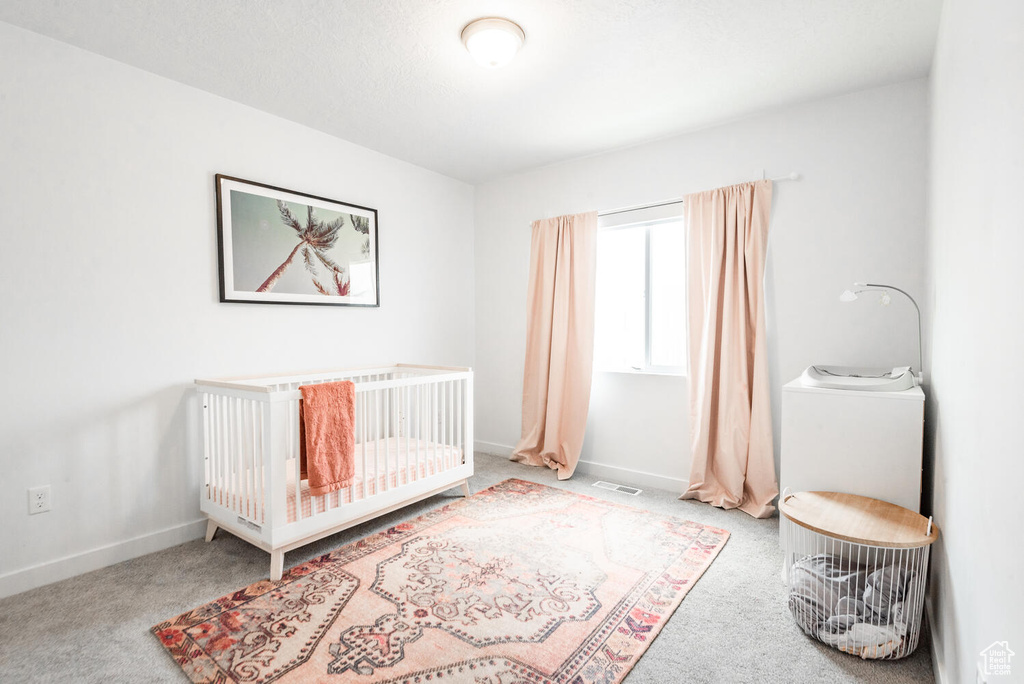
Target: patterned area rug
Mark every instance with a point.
(520, 583)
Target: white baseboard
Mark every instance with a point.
(76, 564)
(493, 448)
(621, 475)
(938, 667)
(627, 476)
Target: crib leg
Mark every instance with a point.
(276, 565)
(465, 488)
(211, 529)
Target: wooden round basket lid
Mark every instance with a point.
(859, 519)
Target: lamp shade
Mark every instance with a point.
(493, 41)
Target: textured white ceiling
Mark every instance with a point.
(593, 75)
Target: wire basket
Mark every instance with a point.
(856, 570)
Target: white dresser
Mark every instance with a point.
(853, 442)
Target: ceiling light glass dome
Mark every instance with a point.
(493, 41)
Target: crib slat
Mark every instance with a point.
(442, 422)
(378, 421)
(442, 431)
(429, 427)
(434, 416)
(214, 445)
(250, 460)
(385, 395)
(295, 448)
(452, 414)
(243, 458)
(225, 449)
(243, 498)
(229, 454)
(221, 449)
(382, 441)
(211, 407)
(460, 384)
(421, 430)
(434, 408)
(257, 466)
(405, 425)
(392, 437)
(243, 451)
(374, 424)
(226, 456)
(232, 455)
(254, 479)
(247, 456)
(451, 425)
(394, 443)
(439, 421)
(468, 427)
(441, 409)
(291, 426)
(233, 450)
(264, 455)
(364, 438)
(276, 416)
(205, 398)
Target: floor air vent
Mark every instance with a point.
(622, 489)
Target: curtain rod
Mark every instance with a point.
(679, 200)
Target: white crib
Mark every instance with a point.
(414, 439)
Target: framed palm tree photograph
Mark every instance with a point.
(279, 246)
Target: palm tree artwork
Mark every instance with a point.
(316, 238)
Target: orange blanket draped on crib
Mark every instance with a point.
(327, 418)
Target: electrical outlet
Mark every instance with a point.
(38, 499)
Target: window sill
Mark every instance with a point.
(635, 371)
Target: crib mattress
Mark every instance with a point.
(424, 459)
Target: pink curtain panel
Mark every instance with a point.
(733, 462)
(559, 342)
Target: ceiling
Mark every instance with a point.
(594, 75)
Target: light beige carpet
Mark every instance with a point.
(733, 626)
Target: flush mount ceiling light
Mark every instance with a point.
(493, 41)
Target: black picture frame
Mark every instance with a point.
(280, 246)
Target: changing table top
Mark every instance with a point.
(859, 519)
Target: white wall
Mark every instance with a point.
(108, 273)
(857, 214)
(975, 447)
(638, 426)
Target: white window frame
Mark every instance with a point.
(647, 217)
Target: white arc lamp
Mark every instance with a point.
(859, 288)
(493, 41)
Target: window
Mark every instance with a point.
(640, 321)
